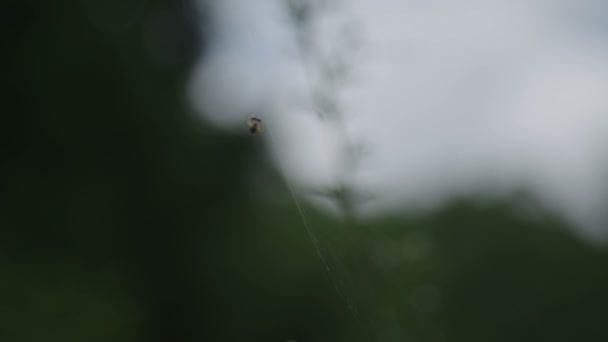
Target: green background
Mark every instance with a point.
(123, 217)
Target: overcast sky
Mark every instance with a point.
(468, 98)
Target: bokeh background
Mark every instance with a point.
(125, 217)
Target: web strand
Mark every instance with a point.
(316, 243)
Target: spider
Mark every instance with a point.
(255, 125)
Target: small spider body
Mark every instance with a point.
(255, 125)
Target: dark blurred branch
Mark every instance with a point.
(325, 75)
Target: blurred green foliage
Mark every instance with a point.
(124, 218)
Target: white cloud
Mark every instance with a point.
(451, 98)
